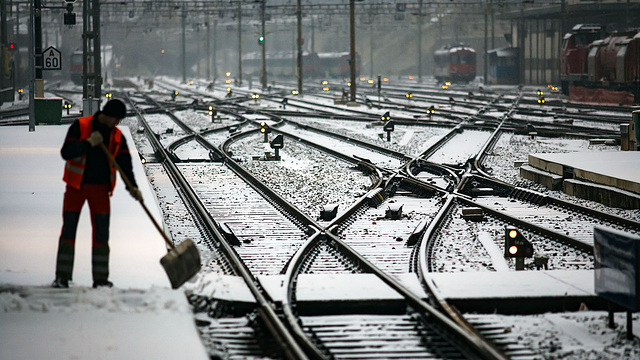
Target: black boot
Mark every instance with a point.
(102, 283)
(60, 283)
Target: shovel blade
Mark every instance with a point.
(181, 263)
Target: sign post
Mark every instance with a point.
(51, 59)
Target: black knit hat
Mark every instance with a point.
(115, 108)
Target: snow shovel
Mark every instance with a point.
(182, 261)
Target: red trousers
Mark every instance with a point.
(97, 195)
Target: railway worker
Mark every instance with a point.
(91, 177)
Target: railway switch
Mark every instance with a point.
(213, 113)
(329, 212)
(277, 143)
(389, 126)
(394, 211)
(472, 213)
(516, 246)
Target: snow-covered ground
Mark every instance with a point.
(140, 318)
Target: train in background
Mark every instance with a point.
(283, 64)
(504, 66)
(75, 67)
(597, 67)
(455, 63)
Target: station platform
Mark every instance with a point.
(611, 178)
(141, 317)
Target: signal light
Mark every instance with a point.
(261, 40)
(385, 117)
(67, 106)
(541, 101)
(431, 110)
(12, 46)
(516, 246)
(264, 128)
(409, 95)
(540, 93)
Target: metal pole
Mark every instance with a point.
(486, 45)
(521, 44)
(299, 16)
(4, 42)
(239, 43)
(538, 51)
(313, 35)
(420, 42)
(37, 34)
(32, 68)
(352, 53)
(184, 44)
(544, 51)
(263, 73)
(215, 48)
(371, 29)
(493, 28)
(530, 35)
(208, 47)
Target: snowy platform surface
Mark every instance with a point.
(620, 169)
(513, 284)
(310, 287)
(37, 322)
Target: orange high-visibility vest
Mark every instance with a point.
(74, 168)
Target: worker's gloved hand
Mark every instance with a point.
(136, 194)
(95, 138)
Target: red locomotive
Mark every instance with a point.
(601, 70)
(454, 63)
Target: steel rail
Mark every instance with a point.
(276, 327)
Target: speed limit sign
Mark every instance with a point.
(51, 59)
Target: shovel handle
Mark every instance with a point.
(130, 186)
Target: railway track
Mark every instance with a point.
(398, 212)
(217, 212)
